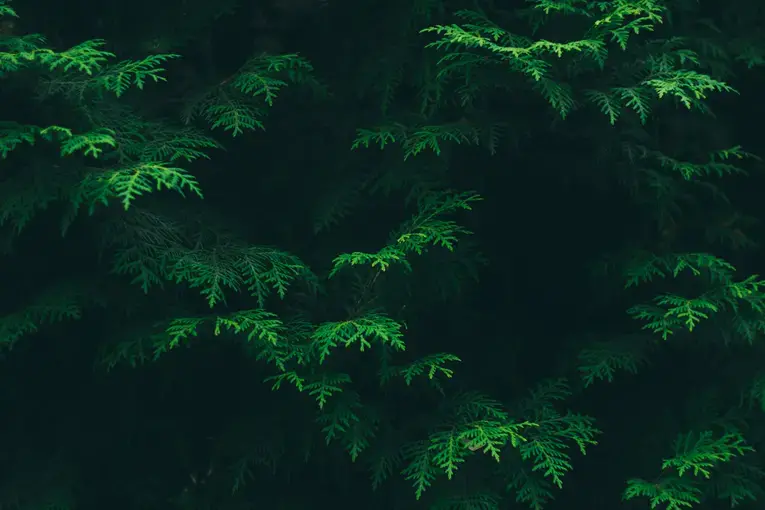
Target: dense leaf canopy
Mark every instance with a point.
(439, 254)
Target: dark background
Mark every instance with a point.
(75, 435)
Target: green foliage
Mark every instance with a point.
(716, 165)
(146, 344)
(531, 490)
(53, 306)
(130, 182)
(431, 366)
(645, 268)
(424, 229)
(360, 330)
(87, 58)
(125, 182)
(695, 454)
(475, 424)
(675, 493)
(738, 482)
(602, 360)
(257, 269)
(700, 453)
(669, 313)
(546, 447)
(90, 144)
(416, 139)
(153, 249)
(338, 336)
(237, 103)
(478, 43)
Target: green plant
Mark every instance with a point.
(263, 305)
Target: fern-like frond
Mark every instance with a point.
(671, 493)
(258, 269)
(418, 138)
(430, 366)
(127, 183)
(238, 103)
(602, 360)
(531, 489)
(371, 327)
(700, 453)
(55, 305)
(424, 229)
